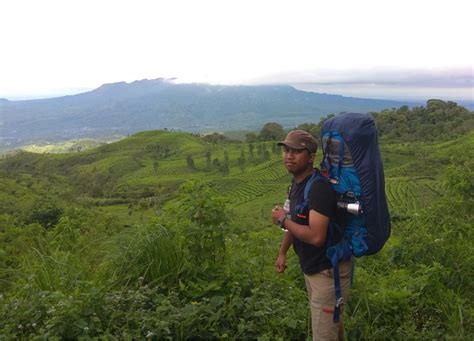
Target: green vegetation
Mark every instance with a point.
(167, 235)
(437, 120)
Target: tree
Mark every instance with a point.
(155, 166)
(437, 120)
(272, 132)
(45, 213)
(241, 160)
(166, 152)
(190, 162)
(313, 129)
(251, 148)
(259, 150)
(224, 169)
(214, 138)
(251, 138)
(266, 155)
(275, 149)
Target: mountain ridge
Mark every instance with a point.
(124, 108)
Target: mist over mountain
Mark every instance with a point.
(122, 108)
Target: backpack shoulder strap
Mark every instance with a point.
(309, 184)
(307, 189)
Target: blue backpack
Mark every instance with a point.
(353, 166)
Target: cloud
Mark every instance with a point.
(461, 77)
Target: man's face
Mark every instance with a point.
(297, 161)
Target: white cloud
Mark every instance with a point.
(427, 77)
(81, 44)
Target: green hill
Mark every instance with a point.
(165, 235)
(148, 165)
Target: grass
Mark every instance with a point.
(147, 254)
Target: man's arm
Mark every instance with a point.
(314, 233)
(280, 263)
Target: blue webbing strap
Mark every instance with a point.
(341, 251)
(334, 259)
(308, 185)
(341, 157)
(337, 282)
(330, 236)
(307, 188)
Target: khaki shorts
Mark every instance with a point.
(322, 299)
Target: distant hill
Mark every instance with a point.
(123, 108)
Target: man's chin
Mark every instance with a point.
(297, 171)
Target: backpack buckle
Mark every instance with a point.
(339, 302)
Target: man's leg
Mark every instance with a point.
(322, 300)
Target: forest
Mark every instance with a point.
(167, 236)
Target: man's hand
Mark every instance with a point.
(277, 212)
(280, 263)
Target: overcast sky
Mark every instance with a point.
(381, 49)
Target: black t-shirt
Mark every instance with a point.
(322, 199)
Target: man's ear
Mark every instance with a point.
(311, 157)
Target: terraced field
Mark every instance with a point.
(272, 170)
(252, 184)
(153, 165)
(408, 195)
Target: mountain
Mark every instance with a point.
(123, 108)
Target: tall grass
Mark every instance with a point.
(147, 254)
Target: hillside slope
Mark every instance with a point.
(103, 244)
(150, 166)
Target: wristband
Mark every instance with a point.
(281, 222)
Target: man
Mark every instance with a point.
(307, 230)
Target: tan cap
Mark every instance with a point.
(300, 139)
